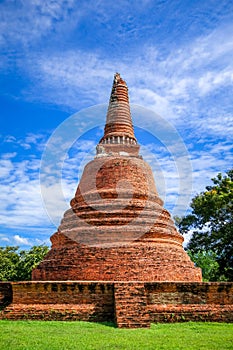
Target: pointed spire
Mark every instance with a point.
(118, 120)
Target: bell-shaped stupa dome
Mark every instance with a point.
(117, 228)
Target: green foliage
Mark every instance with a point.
(9, 259)
(211, 224)
(17, 265)
(54, 335)
(206, 260)
(29, 260)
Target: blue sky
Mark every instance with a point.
(57, 61)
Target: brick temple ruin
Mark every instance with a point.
(117, 214)
(117, 255)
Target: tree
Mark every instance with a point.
(211, 223)
(9, 259)
(206, 260)
(18, 265)
(29, 260)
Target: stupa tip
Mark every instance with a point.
(117, 76)
(118, 79)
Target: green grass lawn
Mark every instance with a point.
(34, 335)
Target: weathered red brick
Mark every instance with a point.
(128, 304)
(117, 228)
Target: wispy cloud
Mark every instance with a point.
(21, 189)
(21, 203)
(180, 86)
(4, 239)
(24, 22)
(30, 140)
(21, 240)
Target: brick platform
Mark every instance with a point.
(130, 305)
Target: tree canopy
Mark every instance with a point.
(17, 265)
(211, 224)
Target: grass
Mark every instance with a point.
(38, 335)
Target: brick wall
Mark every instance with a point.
(5, 294)
(189, 293)
(128, 304)
(60, 300)
(172, 302)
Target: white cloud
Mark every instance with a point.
(190, 87)
(21, 191)
(31, 140)
(9, 155)
(4, 238)
(26, 21)
(212, 80)
(21, 203)
(36, 238)
(21, 240)
(6, 167)
(10, 139)
(187, 237)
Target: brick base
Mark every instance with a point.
(128, 304)
(137, 261)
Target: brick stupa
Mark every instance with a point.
(117, 228)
